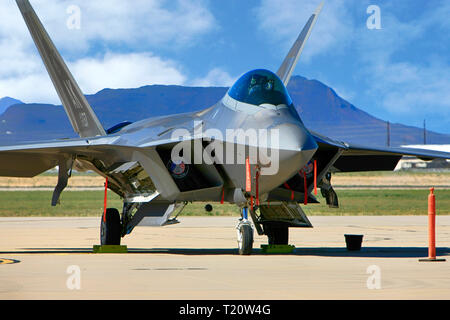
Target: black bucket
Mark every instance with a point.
(353, 241)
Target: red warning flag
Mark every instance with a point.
(315, 177)
(105, 200)
(248, 176)
(257, 185)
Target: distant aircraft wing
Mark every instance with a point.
(82, 117)
(354, 158)
(289, 63)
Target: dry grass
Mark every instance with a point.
(352, 202)
(51, 180)
(339, 179)
(392, 179)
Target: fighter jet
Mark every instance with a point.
(250, 149)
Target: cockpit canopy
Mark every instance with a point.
(259, 87)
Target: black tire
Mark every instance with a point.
(246, 244)
(111, 228)
(277, 232)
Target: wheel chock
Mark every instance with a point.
(277, 248)
(109, 249)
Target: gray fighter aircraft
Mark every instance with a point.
(267, 179)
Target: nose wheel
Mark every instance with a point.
(244, 234)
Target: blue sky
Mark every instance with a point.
(400, 72)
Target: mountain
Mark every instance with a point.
(6, 102)
(322, 110)
(319, 106)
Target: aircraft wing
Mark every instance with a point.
(102, 155)
(29, 160)
(354, 157)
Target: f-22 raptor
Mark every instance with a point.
(250, 149)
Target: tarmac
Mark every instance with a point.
(51, 258)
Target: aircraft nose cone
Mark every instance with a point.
(296, 148)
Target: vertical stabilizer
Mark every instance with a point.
(291, 59)
(82, 117)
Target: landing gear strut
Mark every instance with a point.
(110, 227)
(245, 234)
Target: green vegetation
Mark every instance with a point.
(417, 172)
(383, 202)
(38, 203)
(438, 173)
(198, 209)
(352, 202)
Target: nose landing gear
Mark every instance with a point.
(245, 234)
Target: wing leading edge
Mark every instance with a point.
(99, 154)
(29, 160)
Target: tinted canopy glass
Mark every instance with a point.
(258, 87)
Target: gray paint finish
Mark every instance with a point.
(148, 140)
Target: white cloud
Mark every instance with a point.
(344, 93)
(125, 71)
(30, 88)
(104, 24)
(438, 16)
(93, 74)
(282, 22)
(23, 75)
(380, 58)
(409, 89)
(398, 85)
(113, 22)
(215, 78)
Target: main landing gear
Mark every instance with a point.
(110, 227)
(277, 232)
